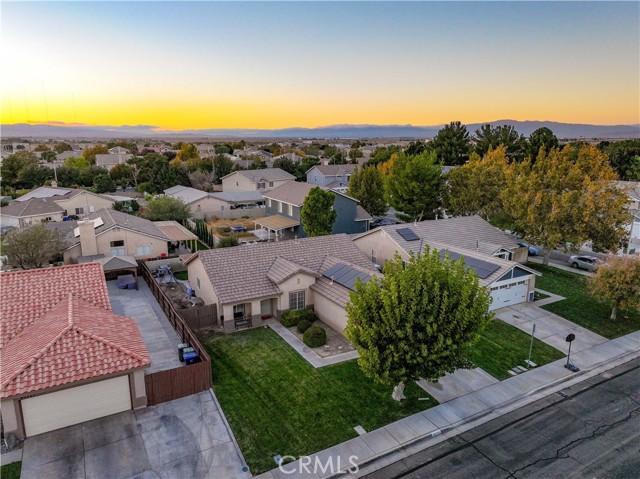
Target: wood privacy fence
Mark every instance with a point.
(163, 386)
(200, 317)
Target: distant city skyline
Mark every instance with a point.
(268, 65)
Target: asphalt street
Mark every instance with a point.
(590, 430)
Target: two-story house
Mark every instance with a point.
(284, 205)
(255, 180)
(334, 177)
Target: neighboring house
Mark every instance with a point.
(112, 233)
(510, 283)
(284, 206)
(21, 214)
(255, 282)
(204, 205)
(206, 150)
(112, 159)
(66, 357)
(335, 177)
(632, 188)
(73, 201)
(118, 150)
(255, 180)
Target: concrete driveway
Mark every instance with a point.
(185, 438)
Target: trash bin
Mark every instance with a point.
(186, 351)
(191, 357)
(181, 348)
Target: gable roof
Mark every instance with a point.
(57, 194)
(31, 207)
(73, 341)
(335, 170)
(282, 269)
(293, 192)
(242, 272)
(238, 196)
(112, 158)
(267, 174)
(185, 193)
(467, 232)
(27, 295)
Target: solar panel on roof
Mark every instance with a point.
(345, 275)
(482, 269)
(408, 234)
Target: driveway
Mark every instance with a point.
(185, 438)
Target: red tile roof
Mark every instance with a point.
(27, 295)
(73, 339)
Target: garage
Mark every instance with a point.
(67, 407)
(509, 294)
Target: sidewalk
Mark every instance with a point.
(414, 433)
(560, 265)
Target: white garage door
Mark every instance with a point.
(509, 294)
(75, 405)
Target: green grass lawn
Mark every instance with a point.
(11, 471)
(502, 346)
(537, 296)
(277, 403)
(182, 275)
(580, 307)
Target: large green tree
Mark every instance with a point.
(541, 138)
(318, 215)
(622, 156)
(104, 184)
(452, 144)
(164, 208)
(90, 153)
(618, 282)
(367, 186)
(565, 198)
(489, 137)
(222, 166)
(419, 321)
(13, 164)
(161, 175)
(413, 187)
(32, 247)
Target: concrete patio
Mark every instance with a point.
(158, 334)
(188, 437)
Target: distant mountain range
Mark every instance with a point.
(62, 130)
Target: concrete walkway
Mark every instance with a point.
(553, 298)
(188, 437)
(419, 431)
(459, 383)
(303, 350)
(550, 328)
(158, 334)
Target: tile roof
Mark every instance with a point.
(335, 170)
(31, 207)
(267, 174)
(282, 269)
(241, 273)
(112, 158)
(46, 192)
(238, 196)
(27, 295)
(332, 290)
(362, 214)
(292, 192)
(74, 341)
(467, 232)
(185, 193)
(175, 231)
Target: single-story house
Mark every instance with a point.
(255, 282)
(66, 357)
(510, 282)
(72, 201)
(112, 159)
(335, 177)
(21, 214)
(255, 180)
(112, 233)
(284, 206)
(204, 205)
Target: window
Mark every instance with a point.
(115, 244)
(236, 183)
(198, 282)
(238, 311)
(279, 207)
(260, 186)
(296, 300)
(79, 211)
(374, 256)
(271, 184)
(118, 252)
(143, 250)
(290, 210)
(92, 209)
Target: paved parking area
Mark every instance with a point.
(158, 334)
(185, 438)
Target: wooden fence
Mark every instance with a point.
(199, 317)
(163, 386)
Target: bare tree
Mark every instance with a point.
(32, 247)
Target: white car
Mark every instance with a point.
(590, 263)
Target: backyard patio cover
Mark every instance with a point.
(175, 231)
(276, 222)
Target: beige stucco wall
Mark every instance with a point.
(237, 182)
(131, 240)
(25, 221)
(385, 248)
(195, 270)
(11, 418)
(85, 200)
(330, 313)
(520, 255)
(298, 282)
(206, 206)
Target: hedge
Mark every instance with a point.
(314, 337)
(293, 317)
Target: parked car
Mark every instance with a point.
(590, 263)
(533, 251)
(383, 222)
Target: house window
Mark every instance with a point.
(271, 184)
(79, 211)
(115, 244)
(236, 183)
(92, 209)
(118, 252)
(261, 186)
(279, 207)
(374, 256)
(143, 250)
(198, 282)
(238, 311)
(296, 300)
(290, 210)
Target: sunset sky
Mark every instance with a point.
(180, 65)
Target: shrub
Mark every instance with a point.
(303, 325)
(314, 337)
(293, 317)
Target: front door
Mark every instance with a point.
(265, 309)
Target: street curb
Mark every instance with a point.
(550, 387)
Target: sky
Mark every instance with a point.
(192, 65)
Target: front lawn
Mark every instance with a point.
(502, 346)
(11, 471)
(277, 403)
(580, 307)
